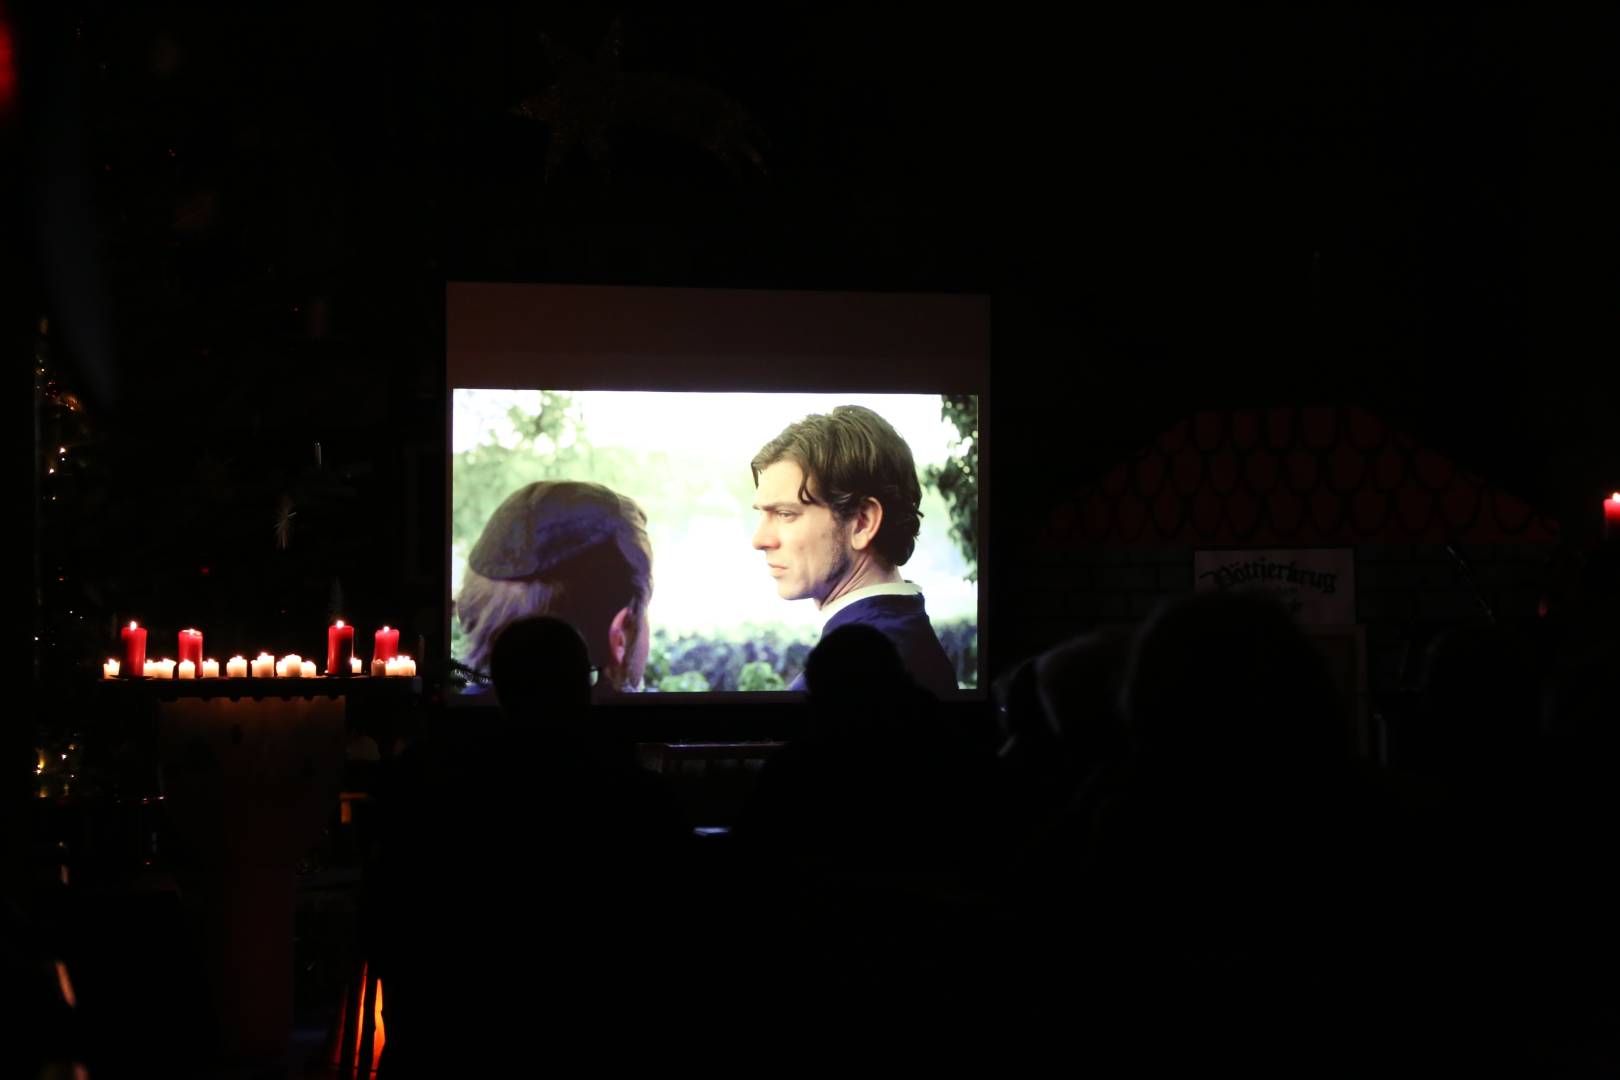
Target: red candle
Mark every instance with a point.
(387, 644)
(134, 651)
(1611, 517)
(191, 648)
(339, 648)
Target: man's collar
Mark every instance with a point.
(892, 588)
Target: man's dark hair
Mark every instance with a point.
(848, 456)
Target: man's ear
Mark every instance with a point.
(865, 524)
(620, 632)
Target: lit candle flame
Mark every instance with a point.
(65, 985)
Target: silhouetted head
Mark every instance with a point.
(1599, 593)
(855, 666)
(1230, 679)
(541, 669)
(1079, 686)
(1019, 712)
(1580, 710)
(1482, 701)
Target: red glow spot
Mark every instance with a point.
(8, 70)
(204, 571)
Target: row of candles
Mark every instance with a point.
(340, 659)
(264, 666)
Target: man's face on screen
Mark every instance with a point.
(806, 549)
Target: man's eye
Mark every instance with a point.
(786, 515)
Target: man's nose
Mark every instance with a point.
(763, 537)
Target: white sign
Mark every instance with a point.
(1317, 584)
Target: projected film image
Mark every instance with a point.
(705, 541)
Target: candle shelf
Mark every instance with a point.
(321, 686)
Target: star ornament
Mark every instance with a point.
(588, 99)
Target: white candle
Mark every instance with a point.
(379, 668)
(109, 670)
(307, 669)
(355, 667)
(408, 666)
(149, 669)
(290, 667)
(236, 667)
(210, 669)
(391, 666)
(264, 666)
(188, 670)
(165, 669)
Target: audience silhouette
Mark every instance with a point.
(511, 886)
(1162, 849)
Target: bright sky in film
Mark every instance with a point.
(708, 576)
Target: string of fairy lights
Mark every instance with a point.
(61, 430)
